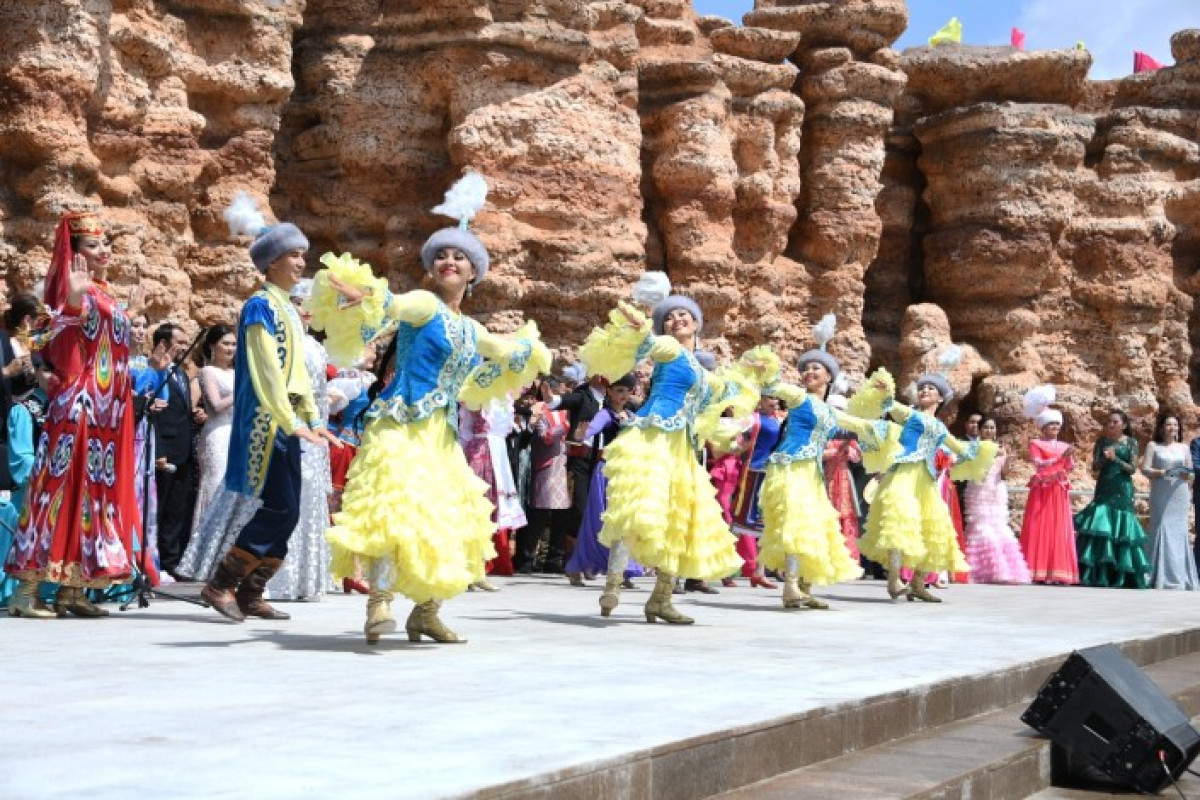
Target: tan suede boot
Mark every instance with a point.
(423, 621)
(917, 590)
(809, 600)
(792, 596)
(659, 605)
(379, 616)
(72, 600)
(25, 603)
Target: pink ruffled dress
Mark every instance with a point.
(992, 549)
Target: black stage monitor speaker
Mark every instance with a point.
(1104, 710)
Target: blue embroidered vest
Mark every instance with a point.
(432, 364)
(678, 391)
(810, 426)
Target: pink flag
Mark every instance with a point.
(1017, 39)
(1144, 63)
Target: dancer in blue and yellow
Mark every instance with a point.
(802, 531)
(908, 524)
(662, 508)
(412, 506)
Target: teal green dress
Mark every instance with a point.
(1107, 531)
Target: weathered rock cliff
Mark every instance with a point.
(155, 112)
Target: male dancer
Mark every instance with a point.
(273, 411)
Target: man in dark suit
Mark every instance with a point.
(581, 404)
(171, 415)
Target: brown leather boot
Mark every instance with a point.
(218, 592)
(250, 594)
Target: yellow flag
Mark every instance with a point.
(1080, 45)
(950, 33)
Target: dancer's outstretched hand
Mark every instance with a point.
(351, 295)
(634, 316)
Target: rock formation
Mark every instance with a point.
(777, 170)
(154, 112)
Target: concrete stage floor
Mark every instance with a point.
(174, 702)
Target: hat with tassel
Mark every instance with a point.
(823, 331)
(464, 200)
(947, 360)
(271, 242)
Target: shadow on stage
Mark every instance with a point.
(350, 643)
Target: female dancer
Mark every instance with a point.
(1168, 465)
(802, 531)
(82, 516)
(1047, 531)
(1109, 536)
(216, 387)
(590, 557)
(412, 505)
(992, 550)
(305, 572)
(908, 524)
(662, 508)
(761, 439)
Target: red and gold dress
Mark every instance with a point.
(81, 516)
(839, 453)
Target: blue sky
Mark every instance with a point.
(1111, 29)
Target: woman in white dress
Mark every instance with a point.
(305, 572)
(216, 391)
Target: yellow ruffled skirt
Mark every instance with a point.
(410, 497)
(799, 520)
(662, 504)
(909, 515)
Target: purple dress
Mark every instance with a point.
(590, 556)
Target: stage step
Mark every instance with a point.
(991, 755)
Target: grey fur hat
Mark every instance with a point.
(274, 242)
(939, 382)
(706, 359)
(825, 359)
(460, 239)
(672, 303)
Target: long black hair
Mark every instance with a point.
(1161, 426)
(1126, 428)
(215, 334)
(383, 370)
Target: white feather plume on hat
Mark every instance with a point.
(465, 199)
(1038, 399)
(243, 217)
(825, 329)
(949, 358)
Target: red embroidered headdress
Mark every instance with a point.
(76, 224)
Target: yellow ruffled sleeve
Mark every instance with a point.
(347, 328)
(614, 350)
(868, 431)
(874, 398)
(789, 394)
(881, 447)
(974, 458)
(513, 362)
(737, 387)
